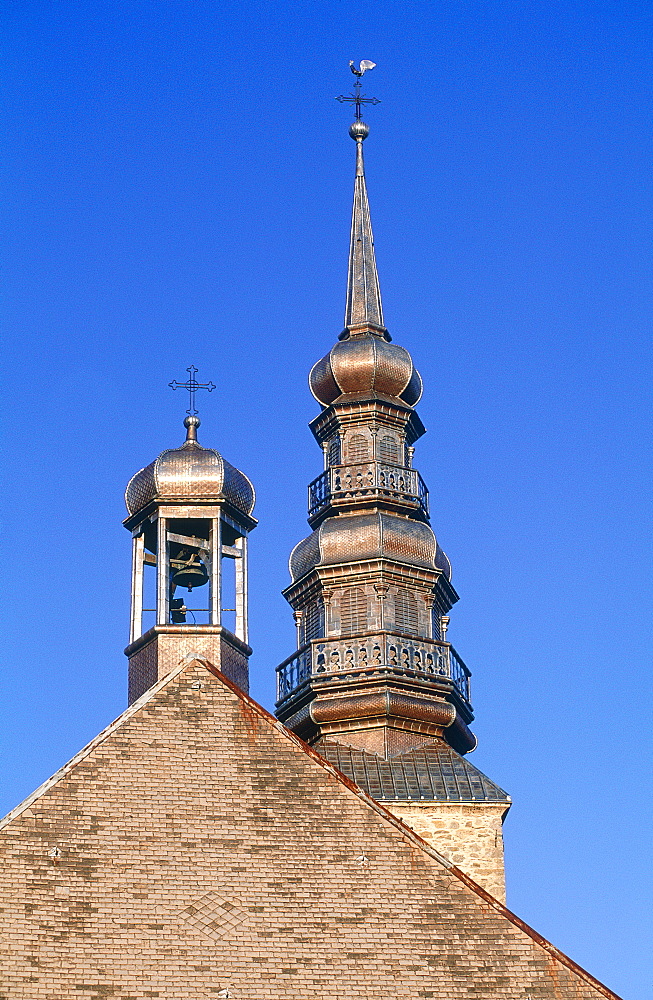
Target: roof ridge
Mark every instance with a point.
(103, 735)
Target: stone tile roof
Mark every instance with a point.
(432, 772)
(198, 848)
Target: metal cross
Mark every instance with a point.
(357, 99)
(192, 385)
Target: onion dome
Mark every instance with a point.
(357, 537)
(363, 365)
(190, 473)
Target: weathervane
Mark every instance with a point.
(358, 99)
(192, 385)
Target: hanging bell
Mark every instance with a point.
(191, 574)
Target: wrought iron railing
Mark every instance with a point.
(367, 479)
(383, 653)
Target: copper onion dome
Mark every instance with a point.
(366, 363)
(378, 535)
(189, 473)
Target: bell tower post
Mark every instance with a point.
(190, 513)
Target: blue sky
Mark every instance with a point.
(177, 190)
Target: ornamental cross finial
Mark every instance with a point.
(192, 385)
(357, 98)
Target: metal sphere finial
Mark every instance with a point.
(191, 423)
(359, 130)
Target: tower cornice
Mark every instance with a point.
(366, 407)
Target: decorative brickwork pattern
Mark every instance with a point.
(214, 916)
(197, 849)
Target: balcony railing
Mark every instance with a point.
(383, 653)
(367, 479)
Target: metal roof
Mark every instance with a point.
(433, 772)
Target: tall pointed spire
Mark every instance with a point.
(375, 678)
(364, 308)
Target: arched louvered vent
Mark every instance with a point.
(353, 612)
(358, 448)
(334, 451)
(437, 625)
(313, 622)
(405, 612)
(388, 450)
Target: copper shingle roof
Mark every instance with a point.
(432, 772)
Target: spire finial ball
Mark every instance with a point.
(191, 423)
(359, 130)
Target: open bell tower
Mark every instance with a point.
(190, 514)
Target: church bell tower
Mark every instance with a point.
(190, 513)
(371, 588)
(375, 685)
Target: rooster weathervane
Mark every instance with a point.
(358, 99)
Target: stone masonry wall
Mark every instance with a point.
(469, 834)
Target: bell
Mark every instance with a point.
(193, 574)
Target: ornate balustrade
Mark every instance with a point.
(367, 479)
(384, 652)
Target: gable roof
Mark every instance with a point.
(196, 842)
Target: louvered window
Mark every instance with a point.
(405, 612)
(437, 629)
(388, 450)
(353, 612)
(358, 448)
(334, 451)
(312, 622)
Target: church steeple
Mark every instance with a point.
(374, 685)
(371, 587)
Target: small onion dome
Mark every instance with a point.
(366, 364)
(190, 473)
(358, 537)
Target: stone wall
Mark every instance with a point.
(468, 834)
